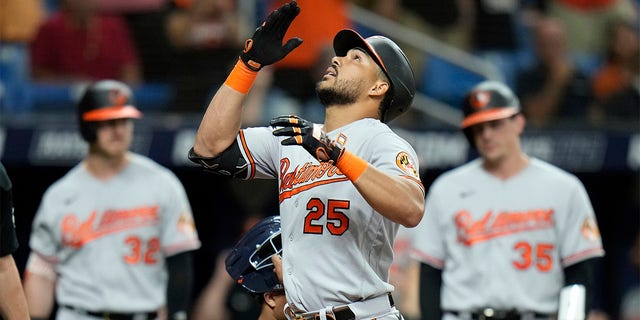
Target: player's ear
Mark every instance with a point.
(269, 299)
(379, 88)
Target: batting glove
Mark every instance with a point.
(308, 135)
(265, 46)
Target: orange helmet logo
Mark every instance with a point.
(117, 97)
(479, 99)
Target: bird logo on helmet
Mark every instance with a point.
(118, 97)
(249, 262)
(102, 101)
(479, 99)
(392, 61)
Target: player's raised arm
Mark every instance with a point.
(222, 118)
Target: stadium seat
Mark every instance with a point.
(48, 97)
(14, 77)
(445, 81)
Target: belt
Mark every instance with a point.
(497, 314)
(108, 315)
(332, 313)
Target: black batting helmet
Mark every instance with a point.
(249, 262)
(104, 100)
(487, 101)
(392, 61)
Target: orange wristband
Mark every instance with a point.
(351, 165)
(241, 77)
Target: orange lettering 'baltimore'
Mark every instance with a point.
(308, 172)
(77, 233)
(304, 178)
(501, 224)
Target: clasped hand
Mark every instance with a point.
(308, 135)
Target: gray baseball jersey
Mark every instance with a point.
(504, 243)
(337, 249)
(108, 239)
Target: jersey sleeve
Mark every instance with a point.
(179, 233)
(8, 238)
(261, 149)
(579, 233)
(44, 233)
(428, 239)
(392, 155)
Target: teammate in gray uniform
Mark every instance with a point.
(503, 234)
(13, 305)
(112, 238)
(345, 186)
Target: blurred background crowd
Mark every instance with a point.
(575, 65)
(569, 60)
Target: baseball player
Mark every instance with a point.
(250, 264)
(345, 186)
(12, 301)
(113, 236)
(504, 233)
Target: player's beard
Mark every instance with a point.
(343, 92)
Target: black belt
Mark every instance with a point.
(108, 315)
(497, 314)
(339, 313)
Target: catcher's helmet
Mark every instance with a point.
(249, 262)
(393, 62)
(104, 100)
(487, 101)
